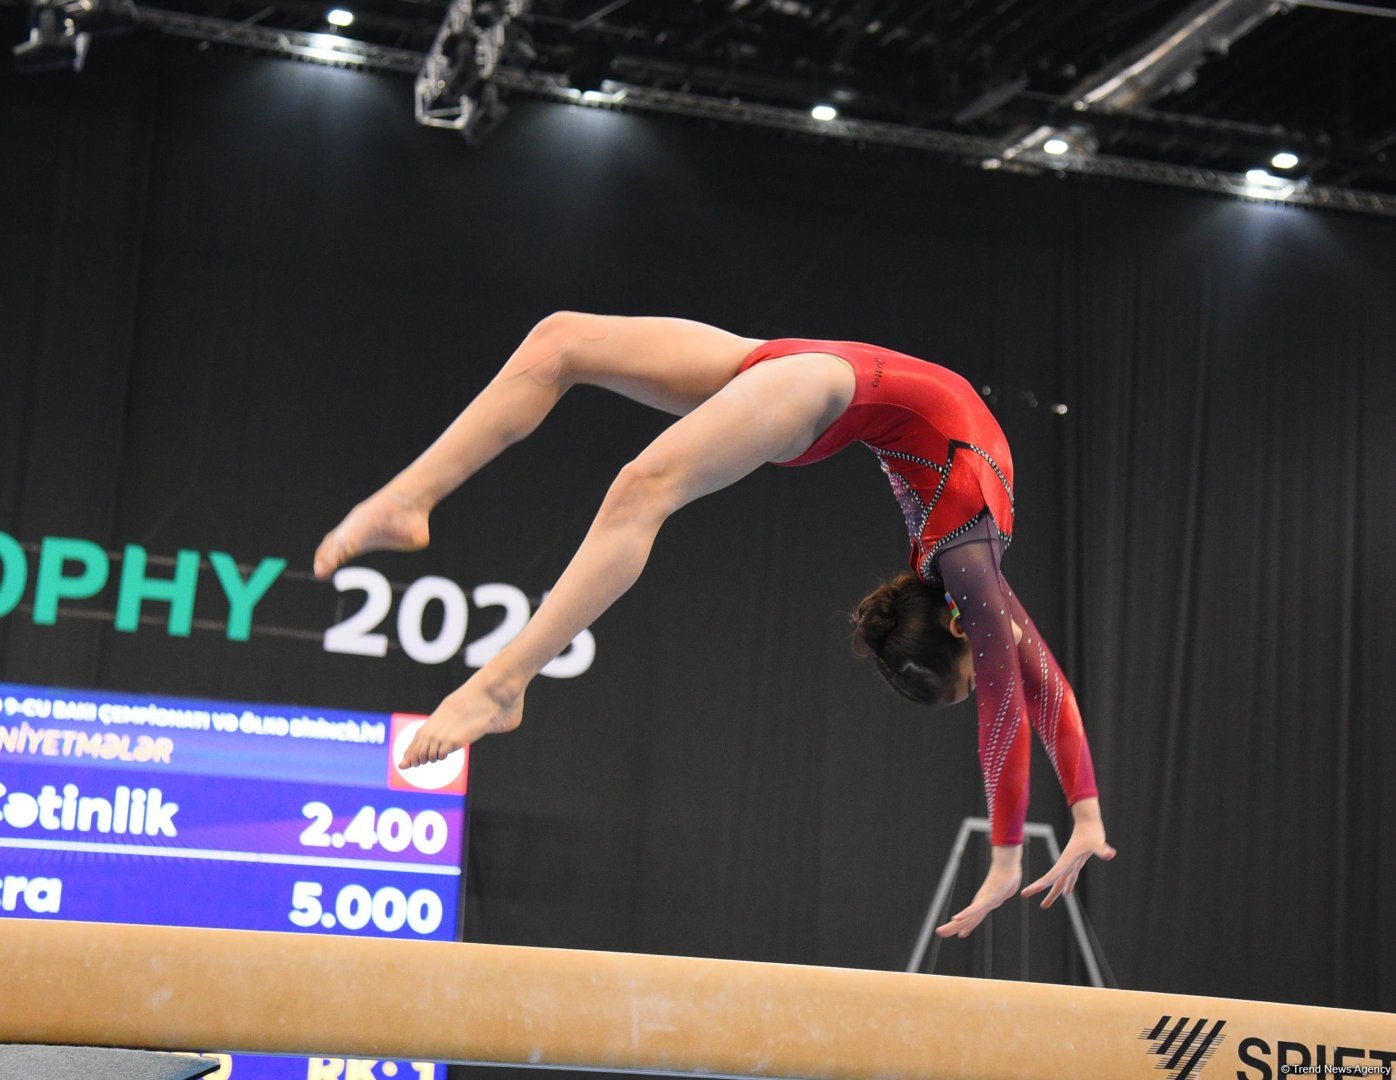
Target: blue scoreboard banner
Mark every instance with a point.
(144, 809)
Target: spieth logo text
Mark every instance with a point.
(1183, 1045)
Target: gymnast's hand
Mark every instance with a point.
(478, 708)
(1087, 839)
(1005, 875)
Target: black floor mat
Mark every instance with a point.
(89, 1063)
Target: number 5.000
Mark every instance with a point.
(354, 908)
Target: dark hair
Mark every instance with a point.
(899, 624)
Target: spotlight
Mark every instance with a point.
(824, 112)
(340, 17)
(328, 49)
(611, 93)
(1062, 147)
(1261, 184)
(1284, 160)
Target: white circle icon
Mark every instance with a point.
(431, 777)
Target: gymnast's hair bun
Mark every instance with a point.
(902, 625)
(876, 618)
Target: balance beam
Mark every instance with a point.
(162, 988)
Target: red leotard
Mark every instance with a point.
(951, 472)
(936, 440)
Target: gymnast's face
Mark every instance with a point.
(962, 675)
(962, 679)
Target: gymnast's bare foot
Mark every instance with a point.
(385, 521)
(466, 715)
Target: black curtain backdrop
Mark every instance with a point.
(236, 294)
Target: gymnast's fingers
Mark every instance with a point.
(1066, 885)
(964, 921)
(1060, 887)
(1054, 878)
(958, 928)
(1045, 880)
(968, 925)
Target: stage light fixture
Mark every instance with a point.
(340, 17)
(1055, 148)
(1284, 160)
(611, 93)
(455, 87)
(61, 32)
(824, 113)
(55, 43)
(328, 49)
(1261, 184)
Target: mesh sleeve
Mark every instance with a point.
(1052, 710)
(1014, 683)
(972, 577)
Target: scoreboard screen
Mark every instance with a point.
(179, 812)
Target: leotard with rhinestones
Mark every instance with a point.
(934, 437)
(952, 474)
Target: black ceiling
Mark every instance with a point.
(1320, 81)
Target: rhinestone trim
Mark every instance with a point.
(993, 465)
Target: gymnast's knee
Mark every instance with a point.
(645, 491)
(548, 354)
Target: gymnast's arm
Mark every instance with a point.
(973, 579)
(1052, 710)
(1056, 718)
(1017, 680)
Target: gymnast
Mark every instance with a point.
(949, 627)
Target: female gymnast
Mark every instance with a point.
(948, 628)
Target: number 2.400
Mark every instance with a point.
(358, 634)
(394, 829)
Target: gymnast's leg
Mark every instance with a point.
(772, 412)
(670, 364)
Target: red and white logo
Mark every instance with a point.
(447, 777)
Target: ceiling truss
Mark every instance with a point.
(1175, 92)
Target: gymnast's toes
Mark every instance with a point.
(385, 521)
